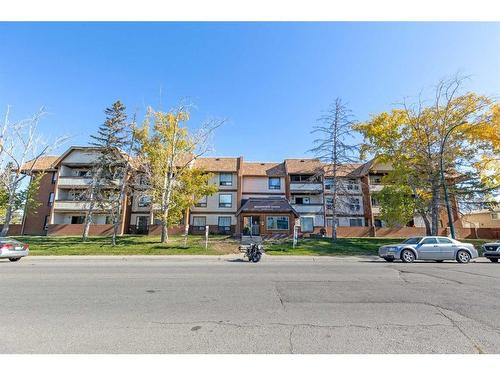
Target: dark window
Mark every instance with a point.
(428, 241)
(355, 222)
(54, 177)
(199, 222)
(202, 202)
(225, 179)
(225, 200)
(144, 201)
(83, 173)
(444, 240)
(378, 223)
(274, 183)
(77, 219)
(50, 201)
(277, 222)
(224, 224)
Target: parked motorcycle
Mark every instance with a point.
(254, 252)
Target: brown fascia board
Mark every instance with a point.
(81, 148)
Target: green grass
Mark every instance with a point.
(341, 247)
(129, 245)
(150, 245)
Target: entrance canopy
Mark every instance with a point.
(267, 205)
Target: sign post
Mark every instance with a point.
(206, 237)
(295, 235)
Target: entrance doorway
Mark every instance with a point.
(142, 225)
(251, 225)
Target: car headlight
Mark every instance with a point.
(392, 248)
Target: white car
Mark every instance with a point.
(12, 249)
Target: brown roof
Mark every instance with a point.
(42, 164)
(348, 170)
(303, 166)
(264, 169)
(217, 164)
(267, 205)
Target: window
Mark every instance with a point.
(77, 219)
(274, 183)
(225, 200)
(304, 178)
(199, 222)
(50, 201)
(108, 220)
(306, 224)
(375, 202)
(328, 183)
(444, 240)
(54, 177)
(302, 200)
(354, 204)
(429, 241)
(352, 184)
(82, 173)
(224, 223)
(378, 223)
(277, 222)
(329, 202)
(495, 216)
(329, 222)
(202, 202)
(355, 222)
(46, 223)
(225, 179)
(376, 180)
(144, 201)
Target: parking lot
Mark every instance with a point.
(224, 305)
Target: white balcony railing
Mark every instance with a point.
(305, 187)
(308, 208)
(77, 205)
(74, 181)
(376, 187)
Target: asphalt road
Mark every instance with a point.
(224, 305)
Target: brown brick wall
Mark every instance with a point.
(77, 229)
(14, 229)
(34, 221)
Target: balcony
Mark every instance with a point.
(376, 187)
(306, 187)
(311, 208)
(68, 205)
(77, 181)
(376, 210)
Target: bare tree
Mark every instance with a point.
(333, 148)
(20, 149)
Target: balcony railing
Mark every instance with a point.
(376, 187)
(74, 181)
(310, 208)
(75, 205)
(306, 187)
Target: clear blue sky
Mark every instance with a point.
(271, 80)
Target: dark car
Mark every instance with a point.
(492, 251)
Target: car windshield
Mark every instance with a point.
(413, 240)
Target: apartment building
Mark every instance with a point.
(268, 198)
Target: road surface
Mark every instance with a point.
(225, 305)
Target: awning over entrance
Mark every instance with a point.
(267, 205)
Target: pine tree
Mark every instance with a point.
(111, 168)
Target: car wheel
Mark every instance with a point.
(14, 259)
(440, 261)
(463, 256)
(389, 260)
(408, 256)
(494, 260)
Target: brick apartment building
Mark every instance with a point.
(258, 198)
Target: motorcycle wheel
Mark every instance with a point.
(256, 257)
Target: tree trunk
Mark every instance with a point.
(435, 208)
(164, 232)
(8, 218)
(428, 230)
(115, 231)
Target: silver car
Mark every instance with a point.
(491, 251)
(429, 248)
(12, 249)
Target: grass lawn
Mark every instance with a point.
(150, 245)
(342, 247)
(129, 245)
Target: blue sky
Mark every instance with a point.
(270, 80)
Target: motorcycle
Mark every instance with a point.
(254, 252)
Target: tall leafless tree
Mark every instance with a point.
(334, 147)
